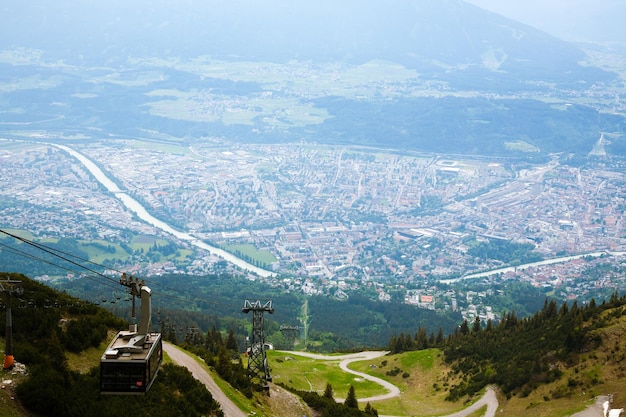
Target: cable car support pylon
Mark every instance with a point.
(257, 359)
(9, 287)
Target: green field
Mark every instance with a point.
(251, 254)
(100, 250)
(417, 374)
(97, 254)
(520, 145)
(103, 252)
(308, 374)
(274, 107)
(277, 112)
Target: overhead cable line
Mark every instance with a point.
(57, 253)
(25, 254)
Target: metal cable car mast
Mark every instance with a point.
(132, 360)
(290, 332)
(257, 360)
(10, 286)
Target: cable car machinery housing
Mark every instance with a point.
(132, 360)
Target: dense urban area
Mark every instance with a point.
(329, 220)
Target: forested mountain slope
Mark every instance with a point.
(557, 354)
(432, 76)
(47, 327)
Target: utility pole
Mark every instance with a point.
(257, 360)
(10, 287)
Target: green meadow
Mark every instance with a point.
(419, 375)
(251, 254)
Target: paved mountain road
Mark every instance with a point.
(488, 399)
(183, 359)
(352, 357)
(594, 410)
(231, 410)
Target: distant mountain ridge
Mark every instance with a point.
(427, 35)
(501, 82)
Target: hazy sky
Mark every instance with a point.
(65, 23)
(577, 20)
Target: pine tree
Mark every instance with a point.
(431, 340)
(328, 392)
(351, 401)
(477, 326)
(392, 343)
(489, 327)
(171, 334)
(550, 309)
(224, 364)
(54, 349)
(439, 340)
(214, 341)
(400, 344)
(370, 411)
(464, 328)
(231, 342)
(420, 339)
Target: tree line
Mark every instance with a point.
(516, 354)
(326, 405)
(220, 352)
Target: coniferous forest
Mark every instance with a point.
(48, 325)
(519, 354)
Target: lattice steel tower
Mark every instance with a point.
(257, 360)
(290, 333)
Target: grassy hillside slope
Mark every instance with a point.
(575, 355)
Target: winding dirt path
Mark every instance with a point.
(594, 410)
(490, 399)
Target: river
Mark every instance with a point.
(532, 264)
(141, 212)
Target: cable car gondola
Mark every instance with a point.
(132, 360)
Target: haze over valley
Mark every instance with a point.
(430, 76)
(406, 166)
(340, 141)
